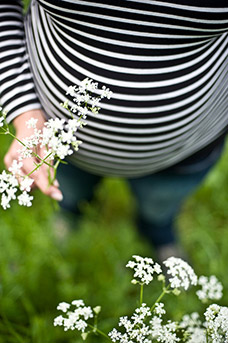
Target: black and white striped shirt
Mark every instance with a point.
(165, 61)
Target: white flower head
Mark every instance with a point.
(211, 288)
(78, 303)
(144, 269)
(15, 167)
(159, 309)
(135, 328)
(63, 306)
(5, 201)
(26, 183)
(163, 333)
(217, 323)
(71, 90)
(31, 123)
(181, 273)
(24, 199)
(75, 319)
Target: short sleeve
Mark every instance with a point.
(17, 91)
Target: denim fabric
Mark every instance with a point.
(159, 196)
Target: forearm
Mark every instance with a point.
(17, 92)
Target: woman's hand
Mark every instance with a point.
(41, 175)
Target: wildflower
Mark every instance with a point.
(182, 274)
(211, 288)
(144, 269)
(24, 199)
(63, 306)
(217, 323)
(163, 332)
(159, 309)
(106, 92)
(193, 326)
(87, 85)
(135, 328)
(26, 183)
(75, 319)
(5, 201)
(8, 188)
(15, 167)
(31, 123)
(78, 303)
(71, 90)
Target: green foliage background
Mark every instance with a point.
(44, 261)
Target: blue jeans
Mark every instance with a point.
(159, 195)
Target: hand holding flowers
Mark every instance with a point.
(40, 146)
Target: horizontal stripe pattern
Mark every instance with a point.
(17, 94)
(166, 63)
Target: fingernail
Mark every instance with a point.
(56, 183)
(57, 196)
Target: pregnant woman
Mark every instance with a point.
(166, 63)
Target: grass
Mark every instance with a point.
(42, 262)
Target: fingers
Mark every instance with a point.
(40, 176)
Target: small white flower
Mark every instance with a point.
(78, 303)
(106, 92)
(181, 273)
(71, 90)
(74, 320)
(217, 323)
(80, 325)
(211, 288)
(31, 123)
(59, 321)
(15, 167)
(144, 268)
(159, 309)
(63, 306)
(5, 201)
(24, 199)
(26, 183)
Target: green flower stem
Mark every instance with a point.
(95, 329)
(55, 168)
(7, 132)
(141, 294)
(165, 290)
(40, 164)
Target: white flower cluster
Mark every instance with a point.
(182, 274)
(58, 137)
(84, 99)
(76, 319)
(217, 323)
(144, 268)
(194, 328)
(163, 333)
(211, 288)
(9, 186)
(135, 328)
(146, 325)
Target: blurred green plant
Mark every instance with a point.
(43, 262)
